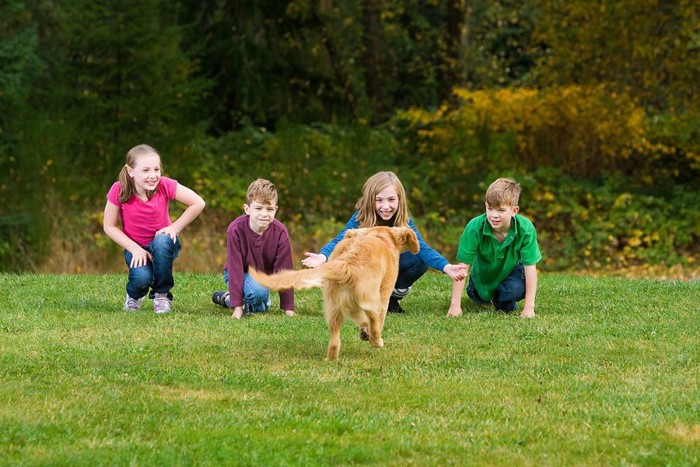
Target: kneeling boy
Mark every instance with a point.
(500, 251)
(255, 239)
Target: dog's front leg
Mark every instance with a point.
(375, 328)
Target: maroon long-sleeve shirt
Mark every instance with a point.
(269, 252)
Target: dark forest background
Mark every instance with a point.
(592, 105)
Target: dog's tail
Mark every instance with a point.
(336, 271)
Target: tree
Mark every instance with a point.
(647, 48)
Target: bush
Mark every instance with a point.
(611, 224)
(620, 218)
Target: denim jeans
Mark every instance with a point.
(157, 274)
(411, 268)
(255, 296)
(508, 292)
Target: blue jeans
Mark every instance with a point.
(255, 296)
(157, 274)
(411, 268)
(508, 292)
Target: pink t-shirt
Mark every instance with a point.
(142, 219)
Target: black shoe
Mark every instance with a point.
(220, 297)
(394, 306)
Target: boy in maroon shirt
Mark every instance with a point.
(255, 239)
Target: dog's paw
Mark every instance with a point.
(364, 335)
(378, 343)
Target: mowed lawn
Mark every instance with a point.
(606, 374)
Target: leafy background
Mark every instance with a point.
(592, 106)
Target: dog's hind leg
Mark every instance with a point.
(335, 322)
(384, 294)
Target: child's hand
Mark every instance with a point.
(528, 313)
(237, 312)
(289, 313)
(313, 260)
(169, 231)
(456, 272)
(140, 258)
(455, 310)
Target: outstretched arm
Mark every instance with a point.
(530, 292)
(457, 272)
(313, 260)
(457, 291)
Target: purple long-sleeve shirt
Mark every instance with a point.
(269, 252)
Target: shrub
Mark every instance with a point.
(612, 224)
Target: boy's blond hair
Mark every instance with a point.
(502, 193)
(367, 212)
(262, 191)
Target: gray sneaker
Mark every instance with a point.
(161, 303)
(132, 304)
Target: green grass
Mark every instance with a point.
(606, 374)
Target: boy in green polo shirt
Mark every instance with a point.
(500, 251)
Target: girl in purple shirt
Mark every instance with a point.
(140, 201)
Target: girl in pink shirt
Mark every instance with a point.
(140, 201)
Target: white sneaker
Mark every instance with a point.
(132, 304)
(161, 303)
(400, 293)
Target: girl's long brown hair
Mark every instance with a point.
(367, 213)
(128, 189)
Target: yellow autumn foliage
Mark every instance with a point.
(585, 130)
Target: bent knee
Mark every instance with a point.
(164, 243)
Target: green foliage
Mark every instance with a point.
(318, 171)
(81, 83)
(446, 161)
(343, 89)
(127, 79)
(605, 374)
(672, 149)
(583, 131)
(500, 49)
(20, 61)
(22, 242)
(633, 46)
(613, 224)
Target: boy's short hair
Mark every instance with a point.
(262, 191)
(503, 192)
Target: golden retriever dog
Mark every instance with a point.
(357, 280)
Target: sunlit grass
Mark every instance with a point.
(607, 373)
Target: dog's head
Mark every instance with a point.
(397, 236)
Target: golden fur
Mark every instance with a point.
(357, 280)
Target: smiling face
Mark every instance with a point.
(261, 215)
(145, 173)
(386, 202)
(500, 217)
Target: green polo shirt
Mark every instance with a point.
(492, 261)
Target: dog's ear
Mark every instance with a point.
(411, 241)
(406, 236)
(353, 233)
